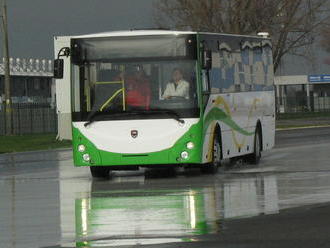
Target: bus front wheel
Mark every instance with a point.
(212, 167)
(100, 171)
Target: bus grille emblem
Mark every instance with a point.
(134, 133)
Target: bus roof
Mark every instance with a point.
(134, 33)
(154, 32)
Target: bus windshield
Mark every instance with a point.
(135, 90)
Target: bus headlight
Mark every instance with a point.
(86, 157)
(81, 148)
(190, 145)
(184, 155)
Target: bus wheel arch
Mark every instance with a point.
(212, 167)
(218, 134)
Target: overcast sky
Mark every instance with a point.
(34, 23)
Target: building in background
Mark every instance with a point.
(301, 93)
(303, 82)
(31, 81)
(32, 93)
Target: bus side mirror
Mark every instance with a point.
(59, 63)
(58, 68)
(207, 59)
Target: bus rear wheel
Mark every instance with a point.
(255, 157)
(212, 167)
(100, 171)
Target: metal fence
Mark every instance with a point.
(33, 118)
(302, 104)
(29, 118)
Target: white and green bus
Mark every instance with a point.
(227, 109)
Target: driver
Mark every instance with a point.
(178, 88)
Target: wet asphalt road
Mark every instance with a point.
(285, 202)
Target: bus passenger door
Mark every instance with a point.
(206, 66)
(205, 87)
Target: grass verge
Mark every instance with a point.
(22, 143)
(288, 126)
(302, 115)
(305, 119)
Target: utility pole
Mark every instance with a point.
(7, 70)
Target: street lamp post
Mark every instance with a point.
(6, 69)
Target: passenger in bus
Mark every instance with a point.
(178, 88)
(137, 86)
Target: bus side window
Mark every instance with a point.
(227, 71)
(215, 74)
(206, 81)
(258, 70)
(268, 66)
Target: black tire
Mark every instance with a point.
(100, 171)
(255, 157)
(212, 167)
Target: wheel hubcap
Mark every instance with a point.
(216, 153)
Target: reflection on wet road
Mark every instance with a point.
(45, 201)
(165, 210)
(153, 211)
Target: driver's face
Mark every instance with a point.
(177, 76)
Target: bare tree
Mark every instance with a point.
(325, 42)
(292, 24)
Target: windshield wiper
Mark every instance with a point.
(169, 112)
(91, 117)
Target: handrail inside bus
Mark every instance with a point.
(115, 94)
